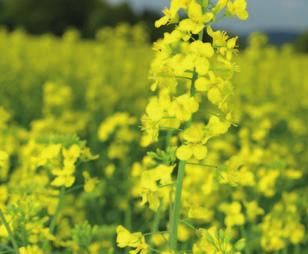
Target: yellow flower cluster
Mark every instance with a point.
(187, 74)
(120, 129)
(128, 239)
(282, 225)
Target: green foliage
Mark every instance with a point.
(83, 235)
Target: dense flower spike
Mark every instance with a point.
(186, 71)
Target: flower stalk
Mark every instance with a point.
(9, 231)
(53, 222)
(175, 219)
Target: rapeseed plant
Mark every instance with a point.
(186, 71)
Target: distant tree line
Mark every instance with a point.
(56, 16)
(301, 43)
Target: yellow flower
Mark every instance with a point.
(183, 107)
(214, 241)
(186, 152)
(150, 182)
(51, 151)
(219, 37)
(293, 173)
(171, 15)
(215, 95)
(111, 123)
(215, 127)
(90, 182)
(253, 210)
(3, 230)
(199, 53)
(219, 6)
(236, 173)
(134, 240)
(225, 46)
(238, 8)
(183, 232)
(201, 213)
(233, 214)
(193, 146)
(30, 250)
(196, 18)
(267, 182)
(64, 177)
(203, 84)
(4, 164)
(159, 239)
(71, 154)
(297, 233)
(109, 170)
(156, 116)
(3, 158)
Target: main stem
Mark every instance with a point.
(177, 207)
(53, 222)
(175, 219)
(10, 233)
(155, 225)
(179, 185)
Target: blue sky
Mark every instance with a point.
(283, 15)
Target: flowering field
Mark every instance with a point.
(190, 145)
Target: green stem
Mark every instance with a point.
(177, 207)
(155, 225)
(6, 251)
(297, 249)
(77, 187)
(175, 215)
(170, 205)
(128, 217)
(189, 225)
(202, 165)
(9, 231)
(182, 77)
(168, 138)
(156, 233)
(201, 35)
(193, 81)
(245, 236)
(55, 217)
(5, 247)
(128, 221)
(285, 250)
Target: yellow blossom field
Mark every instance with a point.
(189, 145)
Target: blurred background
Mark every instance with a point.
(73, 70)
(284, 21)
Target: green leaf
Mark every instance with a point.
(240, 245)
